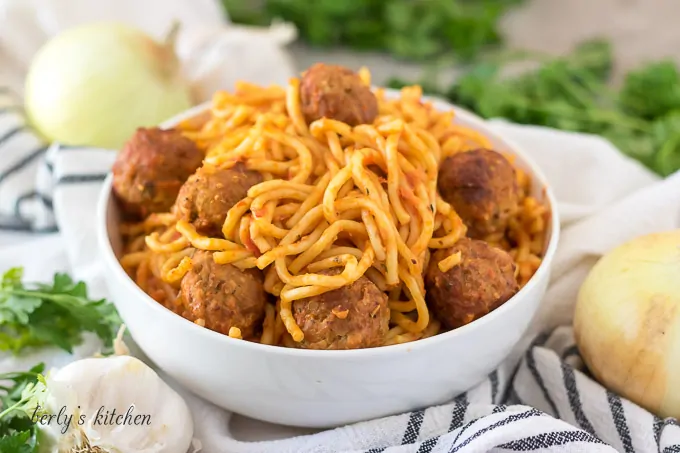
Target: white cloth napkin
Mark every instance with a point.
(214, 54)
(546, 403)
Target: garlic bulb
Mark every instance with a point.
(116, 404)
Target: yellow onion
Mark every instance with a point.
(95, 84)
(627, 322)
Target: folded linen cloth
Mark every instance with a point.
(547, 402)
(214, 54)
(539, 400)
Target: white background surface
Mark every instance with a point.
(607, 198)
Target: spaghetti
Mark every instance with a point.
(363, 199)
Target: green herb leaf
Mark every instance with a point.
(12, 278)
(410, 29)
(17, 442)
(20, 380)
(55, 314)
(652, 91)
(17, 309)
(666, 133)
(571, 93)
(18, 433)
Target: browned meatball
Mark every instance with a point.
(151, 168)
(351, 317)
(481, 185)
(336, 93)
(209, 193)
(480, 283)
(223, 296)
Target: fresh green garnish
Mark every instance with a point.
(51, 314)
(573, 93)
(40, 315)
(18, 433)
(651, 91)
(412, 29)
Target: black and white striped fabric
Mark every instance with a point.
(548, 403)
(32, 170)
(543, 401)
(25, 192)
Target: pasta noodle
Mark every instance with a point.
(362, 199)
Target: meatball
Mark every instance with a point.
(337, 93)
(208, 194)
(482, 187)
(351, 317)
(223, 296)
(151, 168)
(480, 283)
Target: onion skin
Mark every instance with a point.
(94, 85)
(627, 322)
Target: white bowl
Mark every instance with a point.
(319, 389)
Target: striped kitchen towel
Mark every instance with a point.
(25, 184)
(547, 403)
(28, 174)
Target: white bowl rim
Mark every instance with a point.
(478, 123)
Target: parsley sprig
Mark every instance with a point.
(18, 433)
(51, 314)
(406, 29)
(573, 93)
